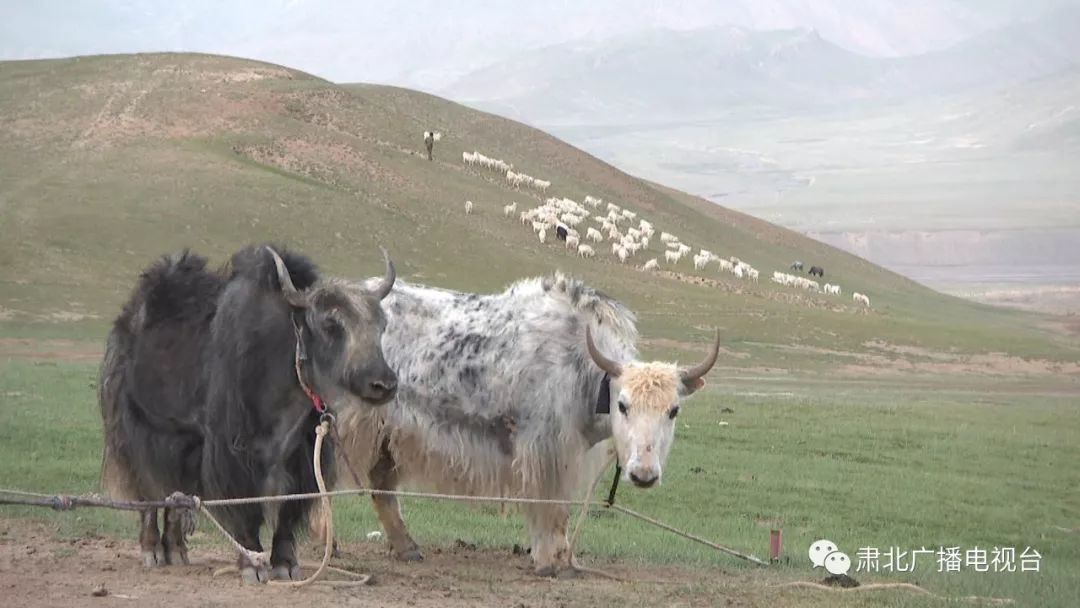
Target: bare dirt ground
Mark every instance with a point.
(37, 569)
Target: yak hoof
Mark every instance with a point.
(547, 572)
(253, 575)
(284, 572)
(152, 559)
(410, 555)
(176, 557)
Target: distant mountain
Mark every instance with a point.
(663, 75)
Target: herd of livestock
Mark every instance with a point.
(562, 219)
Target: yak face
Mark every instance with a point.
(343, 329)
(645, 403)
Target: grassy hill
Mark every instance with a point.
(109, 161)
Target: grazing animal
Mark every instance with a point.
(585, 251)
(509, 210)
(572, 242)
(594, 235)
(542, 235)
(672, 257)
(200, 391)
(797, 265)
(506, 393)
(561, 232)
(468, 207)
(650, 265)
(817, 271)
(861, 298)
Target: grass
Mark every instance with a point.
(876, 467)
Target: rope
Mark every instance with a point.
(688, 536)
(582, 516)
(362, 579)
(262, 558)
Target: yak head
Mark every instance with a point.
(342, 329)
(645, 399)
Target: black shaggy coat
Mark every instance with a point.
(198, 391)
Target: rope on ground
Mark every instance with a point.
(687, 535)
(905, 586)
(582, 516)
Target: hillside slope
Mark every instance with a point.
(107, 162)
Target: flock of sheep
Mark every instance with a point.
(563, 219)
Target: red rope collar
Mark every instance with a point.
(301, 356)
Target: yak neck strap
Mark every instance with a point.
(299, 359)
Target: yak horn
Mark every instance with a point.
(388, 280)
(612, 368)
(693, 373)
(293, 296)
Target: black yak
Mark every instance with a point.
(200, 390)
(817, 270)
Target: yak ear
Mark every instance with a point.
(689, 387)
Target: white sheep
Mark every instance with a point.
(623, 254)
(468, 207)
(572, 241)
(542, 235)
(509, 210)
(700, 262)
(594, 235)
(862, 298)
(672, 257)
(650, 265)
(585, 251)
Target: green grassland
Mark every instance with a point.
(864, 467)
(108, 162)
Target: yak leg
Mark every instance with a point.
(176, 551)
(243, 522)
(550, 546)
(384, 477)
(150, 538)
(283, 555)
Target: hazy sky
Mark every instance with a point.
(428, 43)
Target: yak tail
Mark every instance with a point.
(117, 479)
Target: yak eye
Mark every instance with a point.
(622, 407)
(331, 326)
(673, 412)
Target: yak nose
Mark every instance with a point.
(375, 389)
(644, 478)
(380, 391)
